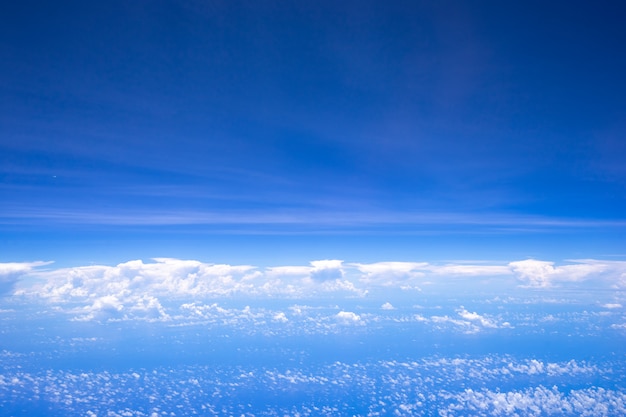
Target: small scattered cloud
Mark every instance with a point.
(478, 319)
(348, 317)
(280, 317)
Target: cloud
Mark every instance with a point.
(538, 401)
(390, 273)
(466, 322)
(470, 270)
(327, 270)
(477, 319)
(139, 286)
(348, 317)
(439, 385)
(320, 271)
(171, 277)
(11, 272)
(104, 308)
(387, 306)
(538, 274)
(280, 317)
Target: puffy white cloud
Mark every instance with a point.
(327, 270)
(164, 277)
(149, 308)
(535, 273)
(280, 317)
(112, 308)
(387, 306)
(104, 308)
(348, 317)
(466, 322)
(136, 288)
(477, 319)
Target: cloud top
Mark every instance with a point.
(138, 288)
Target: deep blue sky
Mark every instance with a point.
(238, 131)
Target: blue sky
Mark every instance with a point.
(279, 133)
(230, 207)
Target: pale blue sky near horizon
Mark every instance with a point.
(271, 133)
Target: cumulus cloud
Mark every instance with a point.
(348, 317)
(387, 306)
(133, 289)
(163, 277)
(478, 319)
(139, 286)
(327, 270)
(280, 317)
(104, 308)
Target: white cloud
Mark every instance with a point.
(319, 271)
(280, 317)
(478, 319)
(149, 308)
(11, 272)
(535, 273)
(470, 270)
(387, 306)
(327, 270)
(174, 278)
(104, 308)
(139, 287)
(297, 271)
(348, 317)
(390, 273)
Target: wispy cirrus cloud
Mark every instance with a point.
(301, 217)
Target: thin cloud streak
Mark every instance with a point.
(304, 217)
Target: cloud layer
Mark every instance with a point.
(139, 288)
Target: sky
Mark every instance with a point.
(236, 207)
(283, 133)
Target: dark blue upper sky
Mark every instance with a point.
(233, 117)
